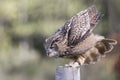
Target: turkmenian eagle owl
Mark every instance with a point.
(75, 40)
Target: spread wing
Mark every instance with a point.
(82, 25)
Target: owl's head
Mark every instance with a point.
(51, 48)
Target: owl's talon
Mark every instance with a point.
(75, 64)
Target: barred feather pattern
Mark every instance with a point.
(82, 24)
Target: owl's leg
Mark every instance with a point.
(81, 60)
(78, 61)
(73, 63)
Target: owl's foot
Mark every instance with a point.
(73, 64)
(81, 60)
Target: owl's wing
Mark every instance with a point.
(82, 25)
(59, 35)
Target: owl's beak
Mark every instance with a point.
(48, 54)
(52, 54)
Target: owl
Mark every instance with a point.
(75, 40)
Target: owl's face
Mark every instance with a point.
(52, 53)
(51, 49)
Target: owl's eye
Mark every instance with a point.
(54, 47)
(66, 52)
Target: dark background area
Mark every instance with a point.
(25, 24)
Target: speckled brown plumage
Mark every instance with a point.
(75, 40)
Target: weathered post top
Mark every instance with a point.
(67, 73)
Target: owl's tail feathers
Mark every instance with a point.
(109, 44)
(110, 41)
(97, 52)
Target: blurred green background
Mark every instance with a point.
(25, 24)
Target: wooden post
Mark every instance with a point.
(67, 73)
